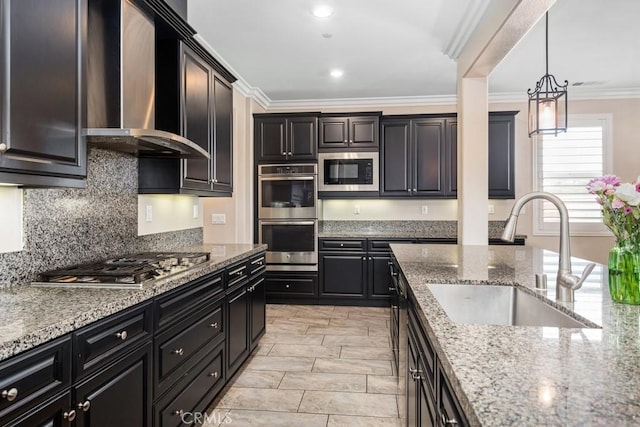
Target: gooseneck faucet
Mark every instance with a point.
(566, 281)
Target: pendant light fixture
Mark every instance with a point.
(548, 102)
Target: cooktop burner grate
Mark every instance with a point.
(127, 272)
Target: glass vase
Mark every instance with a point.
(624, 273)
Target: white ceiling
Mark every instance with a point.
(404, 48)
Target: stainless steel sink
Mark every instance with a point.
(499, 305)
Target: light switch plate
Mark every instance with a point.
(218, 219)
(148, 213)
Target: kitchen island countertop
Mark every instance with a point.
(514, 375)
(30, 315)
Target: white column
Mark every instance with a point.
(473, 129)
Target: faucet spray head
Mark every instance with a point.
(509, 232)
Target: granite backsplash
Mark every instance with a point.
(63, 227)
(435, 229)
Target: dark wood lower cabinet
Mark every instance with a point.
(343, 275)
(238, 328)
(53, 413)
(430, 398)
(257, 310)
(119, 395)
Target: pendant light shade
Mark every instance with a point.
(548, 101)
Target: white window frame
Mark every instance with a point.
(576, 229)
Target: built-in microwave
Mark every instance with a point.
(348, 171)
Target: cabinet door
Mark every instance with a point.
(428, 157)
(57, 412)
(426, 402)
(196, 125)
(501, 156)
(379, 277)
(342, 275)
(119, 395)
(395, 171)
(42, 107)
(270, 139)
(364, 132)
(237, 330)
(223, 140)
(334, 132)
(257, 309)
(302, 138)
(412, 384)
(451, 162)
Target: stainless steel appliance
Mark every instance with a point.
(348, 172)
(127, 272)
(287, 215)
(287, 191)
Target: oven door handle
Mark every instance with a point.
(287, 222)
(288, 178)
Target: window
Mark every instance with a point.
(563, 165)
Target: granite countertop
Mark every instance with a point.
(515, 375)
(31, 315)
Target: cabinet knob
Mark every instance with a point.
(84, 405)
(122, 335)
(10, 394)
(341, 245)
(287, 286)
(179, 352)
(213, 374)
(3, 147)
(284, 153)
(415, 189)
(289, 153)
(70, 415)
(392, 289)
(350, 141)
(213, 325)
(179, 412)
(215, 181)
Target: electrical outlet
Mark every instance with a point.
(356, 209)
(492, 209)
(218, 219)
(148, 213)
(425, 209)
(195, 211)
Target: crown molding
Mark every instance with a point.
(399, 101)
(573, 95)
(466, 26)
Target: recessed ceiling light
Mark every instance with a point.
(322, 11)
(336, 73)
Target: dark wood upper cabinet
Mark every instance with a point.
(349, 133)
(419, 156)
(42, 92)
(501, 155)
(285, 137)
(197, 103)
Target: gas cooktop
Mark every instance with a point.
(127, 272)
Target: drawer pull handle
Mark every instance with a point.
(122, 335)
(179, 412)
(415, 374)
(179, 352)
(213, 325)
(392, 289)
(69, 416)
(213, 374)
(10, 394)
(446, 422)
(84, 405)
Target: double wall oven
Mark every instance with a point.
(287, 215)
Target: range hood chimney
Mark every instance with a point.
(121, 84)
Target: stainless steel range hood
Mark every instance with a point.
(121, 84)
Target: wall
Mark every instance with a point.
(169, 212)
(63, 227)
(238, 209)
(11, 224)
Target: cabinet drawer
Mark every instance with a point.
(237, 273)
(181, 302)
(450, 410)
(103, 341)
(383, 245)
(194, 393)
(29, 378)
(284, 286)
(175, 346)
(257, 264)
(49, 414)
(339, 244)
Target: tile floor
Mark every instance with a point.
(323, 366)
